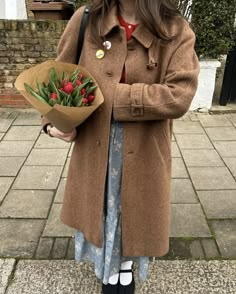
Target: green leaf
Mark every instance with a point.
(78, 100)
(56, 91)
(41, 91)
(53, 75)
(78, 88)
(51, 102)
(68, 99)
(87, 79)
(90, 90)
(32, 92)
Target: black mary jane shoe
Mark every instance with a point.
(110, 289)
(127, 289)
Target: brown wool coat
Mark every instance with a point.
(152, 97)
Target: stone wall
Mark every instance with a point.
(24, 44)
(29, 13)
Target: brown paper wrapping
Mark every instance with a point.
(64, 118)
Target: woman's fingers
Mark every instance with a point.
(67, 137)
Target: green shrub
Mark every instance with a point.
(79, 3)
(213, 24)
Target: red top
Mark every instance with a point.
(129, 28)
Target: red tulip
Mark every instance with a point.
(80, 76)
(68, 88)
(85, 100)
(83, 91)
(91, 98)
(78, 83)
(54, 96)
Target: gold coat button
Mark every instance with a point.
(100, 54)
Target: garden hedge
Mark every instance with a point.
(213, 24)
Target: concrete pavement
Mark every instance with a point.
(165, 277)
(33, 169)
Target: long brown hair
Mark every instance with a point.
(153, 14)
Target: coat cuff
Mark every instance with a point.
(128, 101)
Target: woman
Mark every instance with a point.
(118, 185)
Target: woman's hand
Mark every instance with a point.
(67, 137)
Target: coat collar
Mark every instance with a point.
(141, 33)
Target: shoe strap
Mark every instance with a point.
(126, 271)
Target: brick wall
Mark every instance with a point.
(24, 44)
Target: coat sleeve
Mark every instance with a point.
(171, 99)
(67, 46)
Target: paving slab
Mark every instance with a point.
(15, 148)
(175, 150)
(54, 226)
(8, 113)
(185, 117)
(190, 277)
(28, 118)
(71, 149)
(231, 164)
(60, 191)
(22, 133)
(26, 204)
(179, 248)
(218, 204)
(38, 177)
(232, 118)
(47, 157)
(172, 277)
(196, 249)
(195, 141)
(210, 248)
(215, 120)
(182, 127)
(5, 184)
(44, 248)
(221, 133)
(44, 141)
(6, 268)
(187, 220)
(226, 149)
(193, 116)
(56, 276)
(182, 191)
(20, 237)
(224, 272)
(60, 248)
(71, 249)
(66, 168)
(1, 135)
(212, 178)
(202, 157)
(225, 232)
(5, 123)
(178, 168)
(10, 166)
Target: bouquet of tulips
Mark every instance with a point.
(66, 94)
(73, 90)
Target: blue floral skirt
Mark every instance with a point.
(107, 260)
